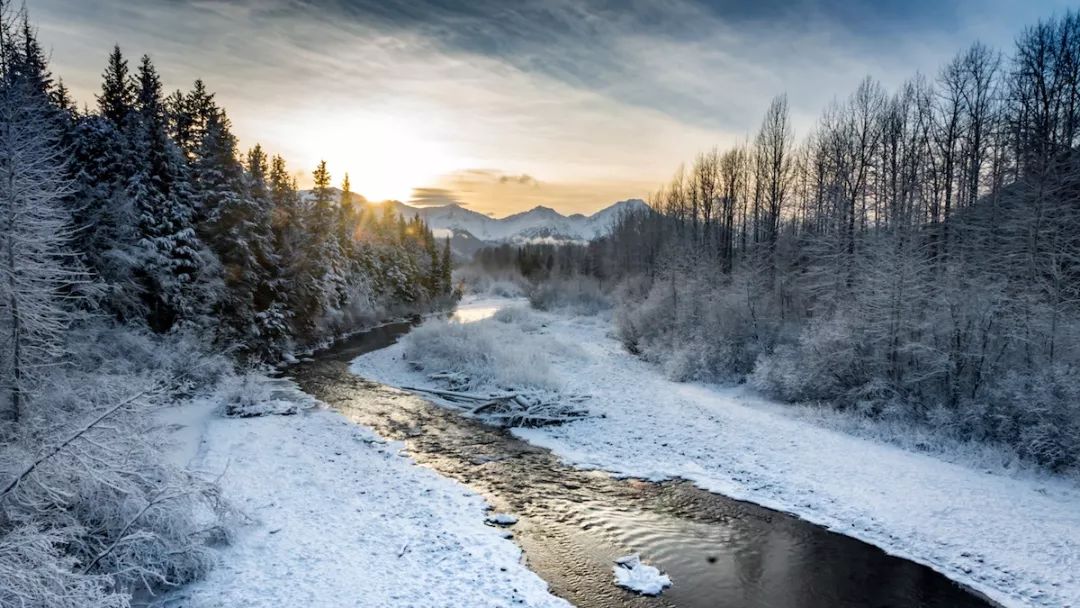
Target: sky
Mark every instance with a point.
(503, 105)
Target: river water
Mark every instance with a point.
(719, 552)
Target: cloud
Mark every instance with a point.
(585, 99)
(524, 179)
(434, 197)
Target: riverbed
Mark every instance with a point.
(573, 523)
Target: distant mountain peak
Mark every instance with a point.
(470, 230)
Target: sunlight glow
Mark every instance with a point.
(386, 156)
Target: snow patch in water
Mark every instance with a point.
(636, 576)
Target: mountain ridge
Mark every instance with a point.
(471, 230)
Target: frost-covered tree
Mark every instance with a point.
(236, 210)
(38, 273)
(176, 266)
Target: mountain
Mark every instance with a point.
(536, 224)
(470, 231)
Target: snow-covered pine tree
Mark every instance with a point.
(271, 295)
(177, 267)
(117, 98)
(236, 227)
(323, 252)
(104, 216)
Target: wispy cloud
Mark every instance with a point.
(433, 197)
(589, 99)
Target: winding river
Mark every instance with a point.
(719, 552)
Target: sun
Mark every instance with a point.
(385, 155)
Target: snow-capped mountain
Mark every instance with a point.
(536, 224)
(470, 230)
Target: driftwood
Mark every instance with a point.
(512, 408)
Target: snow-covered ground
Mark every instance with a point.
(1014, 537)
(338, 518)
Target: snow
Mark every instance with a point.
(502, 519)
(1013, 536)
(337, 517)
(639, 577)
(539, 224)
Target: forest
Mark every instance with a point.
(915, 257)
(145, 260)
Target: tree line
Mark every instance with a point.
(916, 254)
(145, 259)
(143, 210)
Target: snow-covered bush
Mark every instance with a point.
(490, 354)
(694, 330)
(576, 295)
(253, 393)
(497, 369)
(521, 316)
(475, 280)
(823, 366)
(98, 511)
(37, 573)
(1038, 413)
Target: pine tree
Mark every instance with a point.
(446, 270)
(175, 259)
(105, 217)
(237, 227)
(117, 98)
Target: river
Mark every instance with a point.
(719, 552)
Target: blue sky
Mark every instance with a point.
(592, 101)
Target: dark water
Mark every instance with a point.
(719, 552)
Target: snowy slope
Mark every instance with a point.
(338, 518)
(1015, 538)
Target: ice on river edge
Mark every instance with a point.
(636, 576)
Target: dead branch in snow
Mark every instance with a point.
(14, 483)
(513, 408)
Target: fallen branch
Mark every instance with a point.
(54, 451)
(512, 408)
(121, 536)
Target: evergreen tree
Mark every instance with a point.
(175, 265)
(446, 270)
(117, 98)
(236, 227)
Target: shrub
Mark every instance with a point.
(576, 295)
(108, 513)
(489, 354)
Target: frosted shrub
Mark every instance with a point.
(491, 356)
(106, 514)
(253, 393)
(694, 331)
(521, 316)
(36, 573)
(576, 295)
(823, 366)
(1039, 415)
(478, 281)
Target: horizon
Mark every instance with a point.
(500, 109)
(492, 214)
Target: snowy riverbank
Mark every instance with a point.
(338, 518)
(1015, 538)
